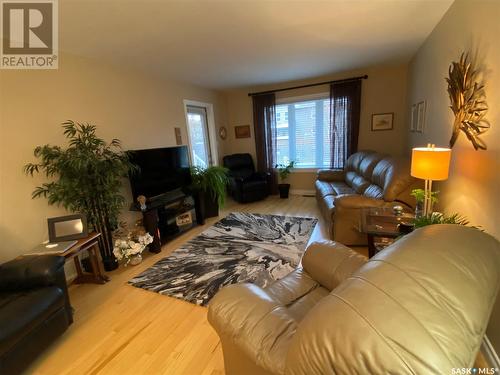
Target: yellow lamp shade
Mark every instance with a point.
(430, 163)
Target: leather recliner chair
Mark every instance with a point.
(245, 185)
(369, 179)
(34, 308)
(421, 306)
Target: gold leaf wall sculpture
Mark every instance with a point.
(468, 102)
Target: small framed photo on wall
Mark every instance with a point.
(242, 131)
(382, 121)
(421, 109)
(414, 118)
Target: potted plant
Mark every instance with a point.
(283, 171)
(86, 177)
(209, 185)
(419, 195)
(440, 218)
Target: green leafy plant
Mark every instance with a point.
(439, 218)
(86, 178)
(284, 170)
(212, 180)
(419, 195)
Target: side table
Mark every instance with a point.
(381, 227)
(91, 244)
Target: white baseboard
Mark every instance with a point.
(489, 353)
(302, 192)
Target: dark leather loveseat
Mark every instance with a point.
(34, 309)
(245, 185)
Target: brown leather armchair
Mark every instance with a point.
(369, 179)
(421, 306)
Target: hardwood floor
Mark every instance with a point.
(120, 329)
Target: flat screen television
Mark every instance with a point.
(162, 170)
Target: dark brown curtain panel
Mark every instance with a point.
(345, 104)
(264, 120)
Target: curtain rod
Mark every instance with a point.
(309, 85)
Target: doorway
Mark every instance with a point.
(201, 131)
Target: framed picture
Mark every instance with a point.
(414, 118)
(242, 131)
(421, 109)
(178, 136)
(382, 121)
(65, 228)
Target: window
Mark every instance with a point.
(303, 133)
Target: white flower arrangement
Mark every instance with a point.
(125, 250)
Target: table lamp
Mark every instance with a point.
(430, 164)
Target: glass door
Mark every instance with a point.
(199, 136)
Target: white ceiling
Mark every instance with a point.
(226, 44)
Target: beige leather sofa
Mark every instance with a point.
(421, 306)
(369, 179)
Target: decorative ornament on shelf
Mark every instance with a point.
(468, 102)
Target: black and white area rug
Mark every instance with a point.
(242, 247)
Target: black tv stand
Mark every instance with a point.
(167, 216)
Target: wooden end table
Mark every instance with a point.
(91, 244)
(381, 227)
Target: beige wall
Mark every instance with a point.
(472, 188)
(384, 91)
(139, 110)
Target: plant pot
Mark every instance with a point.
(199, 207)
(110, 263)
(206, 206)
(211, 206)
(135, 260)
(284, 190)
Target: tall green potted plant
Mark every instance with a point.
(283, 171)
(209, 186)
(86, 177)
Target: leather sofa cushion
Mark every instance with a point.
(357, 182)
(299, 309)
(21, 312)
(291, 287)
(374, 191)
(359, 169)
(298, 292)
(332, 188)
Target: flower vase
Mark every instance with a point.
(135, 260)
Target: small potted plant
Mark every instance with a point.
(209, 186)
(283, 171)
(419, 195)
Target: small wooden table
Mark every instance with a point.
(91, 244)
(381, 227)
